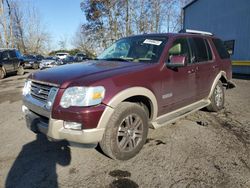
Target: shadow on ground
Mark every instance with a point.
(35, 165)
(241, 76)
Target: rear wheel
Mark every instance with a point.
(2, 74)
(217, 99)
(126, 132)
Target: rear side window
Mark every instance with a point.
(200, 50)
(209, 53)
(219, 45)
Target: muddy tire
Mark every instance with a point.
(20, 70)
(126, 132)
(217, 99)
(35, 66)
(2, 74)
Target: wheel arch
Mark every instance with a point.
(134, 94)
(221, 76)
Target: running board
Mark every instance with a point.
(180, 113)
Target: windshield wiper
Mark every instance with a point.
(115, 59)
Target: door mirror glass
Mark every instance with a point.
(178, 54)
(177, 61)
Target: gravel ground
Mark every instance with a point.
(202, 150)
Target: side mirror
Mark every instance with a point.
(177, 61)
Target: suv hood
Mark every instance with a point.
(63, 75)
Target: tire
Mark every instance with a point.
(126, 132)
(35, 66)
(20, 70)
(2, 74)
(217, 99)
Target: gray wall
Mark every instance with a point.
(227, 19)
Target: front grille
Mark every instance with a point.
(40, 91)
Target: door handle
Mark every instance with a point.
(191, 71)
(215, 66)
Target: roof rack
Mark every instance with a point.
(195, 32)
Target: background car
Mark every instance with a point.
(32, 61)
(68, 60)
(10, 61)
(62, 55)
(80, 57)
(49, 62)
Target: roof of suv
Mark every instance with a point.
(4, 49)
(184, 34)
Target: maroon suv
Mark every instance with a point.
(139, 82)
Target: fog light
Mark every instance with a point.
(72, 125)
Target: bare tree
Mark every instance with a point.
(30, 37)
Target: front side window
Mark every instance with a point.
(12, 54)
(136, 49)
(179, 48)
(5, 55)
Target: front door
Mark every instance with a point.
(6, 62)
(179, 84)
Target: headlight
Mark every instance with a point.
(27, 87)
(82, 96)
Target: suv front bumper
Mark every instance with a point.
(54, 129)
(39, 120)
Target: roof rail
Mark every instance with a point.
(195, 32)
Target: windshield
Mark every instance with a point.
(137, 49)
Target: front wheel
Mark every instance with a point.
(35, 66)
(217, 99)
(126, 132)
(2, 74)
(20, 70)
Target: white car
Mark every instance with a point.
(62, 55)
(49, 62)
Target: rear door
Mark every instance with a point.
(205, 65)
(14, 59)
(178, 88)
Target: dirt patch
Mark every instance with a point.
(121, 179)
(11, 96)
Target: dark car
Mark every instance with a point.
(68, 60)
(140, 82)
(32, 61)
(10, 61)
(81, 57)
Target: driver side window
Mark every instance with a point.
(179, 48)
(5, 55)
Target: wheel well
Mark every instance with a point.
(224, 81)
(2, 67)
(21, 63)
(144, 101)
